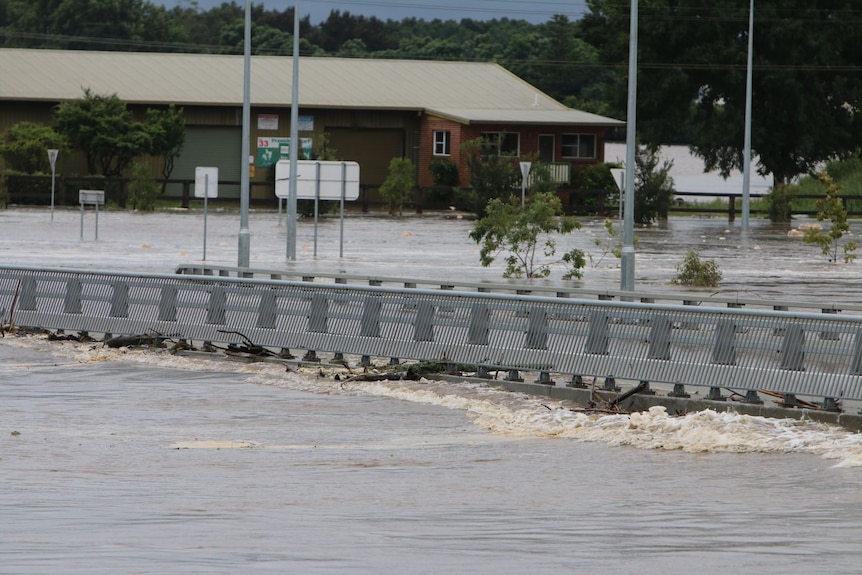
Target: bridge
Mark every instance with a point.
(800, 352)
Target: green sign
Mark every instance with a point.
(271, 150)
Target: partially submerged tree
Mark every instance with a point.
(25, 145)
(528, 236)
(142, 188)
(653, 185)
(491, 175)
(167, 130)
(695, 272)
(831, 242)
(398, 184)
(102, 128)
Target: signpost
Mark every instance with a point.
(619, 175)
(206, 186)
(91, 198)
(52, 157)
(525, 173)
(320, 180)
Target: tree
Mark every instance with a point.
(86, 24)
(142, 188)
(694, 272)
(831, 208)
(653, 185)
(25, 146)
(692, 76)
(167, 129)
(491, 175)
(527, 235)
(398, 184)
(102, 128)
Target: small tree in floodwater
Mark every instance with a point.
(520, 231)
(831, 208)
(694, 272)
(398, 185)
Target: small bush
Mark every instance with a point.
(832, 243)
(780, 200)
(398, 184)
(694, 272)
(143, 190)
(444, 171)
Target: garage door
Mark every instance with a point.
(219, 146)
(373, 149)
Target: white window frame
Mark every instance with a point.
(442, 143)
(578, 146)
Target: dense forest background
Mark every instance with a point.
(551, 56)
(692, 54)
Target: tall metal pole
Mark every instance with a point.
(746, 154)
(294, 139)
(627, 272)
(243, 256)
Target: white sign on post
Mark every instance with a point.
(525, 173)
(619, 175)
(206, 182)
(333, 179)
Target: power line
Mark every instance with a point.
(491, 7)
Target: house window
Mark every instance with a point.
(502, 144)
(442, 142)
(579, 146)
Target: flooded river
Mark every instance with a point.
(139, 461)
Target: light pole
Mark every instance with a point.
(294, 139)
(746, 154)
(627, 261)
(243, 257)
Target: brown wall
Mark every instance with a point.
(529, 142)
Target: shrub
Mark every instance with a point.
(831, 208)
(25, 146)
(653, 186)
(398, 184)
(491, 175)
(598, 180)
(694, 272)
(779, 201)
(143, 190)
(444, 171)
(526, 234)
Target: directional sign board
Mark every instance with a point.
(91, 197)
(206, 182)
(334, 178)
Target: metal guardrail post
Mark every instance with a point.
(120, 299)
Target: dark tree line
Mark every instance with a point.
(551, 56)
(692, 55)
(807, 78)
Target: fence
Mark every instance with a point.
(793, 353)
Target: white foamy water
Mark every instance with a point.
(503, 412)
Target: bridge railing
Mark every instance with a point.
(798, 353)
(540, 288)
